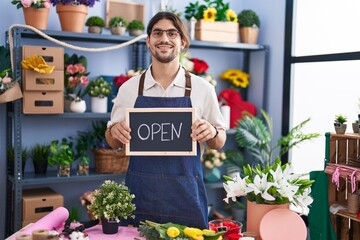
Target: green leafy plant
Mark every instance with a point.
(136, 25)
(6, 80)
(118, 22)
(113, 200)
(99, 88)
(61, 153)
(74, 214)
(248, 18)
(212, 10)
(39, 153)
(97, 135)
(83, 143)
(95, 21)
(11, 157)
(341, 119)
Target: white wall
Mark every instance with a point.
(272, 15)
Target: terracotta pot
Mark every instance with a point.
(72, 17)
(255, 213)
(249, 35)
(37, 18)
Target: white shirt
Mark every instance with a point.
(203, 97)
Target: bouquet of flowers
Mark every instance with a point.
(198, 67)
(276, 184)
(215, 10)
(213, 158)
(236, 77)
(31, 3)
(75, 78)
(120, 80)
(5, 80)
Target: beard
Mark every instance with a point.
(164, 59)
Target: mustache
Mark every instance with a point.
(164, 43)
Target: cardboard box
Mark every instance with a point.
(217, 31)
(43, 82)
(39, 202)
(125, 9)
(43, 102)
(53, 56)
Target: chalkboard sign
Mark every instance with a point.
(160, 131)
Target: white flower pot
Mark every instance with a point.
(78, 106)
(99, 104)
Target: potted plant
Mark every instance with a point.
(249, 24)
(72, 13)
(95, 24)
(75, 83)
(355, 126)
(212, 160)
(136, 27)
(36, 13)
(83, 144)
(112, 201)
(339, 123)
(61, 155)
(99, 90)
(118, 25)
(11, 158)
(39, 153)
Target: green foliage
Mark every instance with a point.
(97, 135)
(136, 25)
(83, 143)
(340, 119)
(73, 59)
(99, 88)
(61, 153)
(95, 21)
(11, 156)
(256, 138)
(113, 200)
(74, 214)
(39, 153)
(196, 9)
(118, 22)
(247, 18)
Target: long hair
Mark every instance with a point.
(178, 23)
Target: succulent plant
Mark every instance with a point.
(95, 21)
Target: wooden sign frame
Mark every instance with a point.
(189, 152)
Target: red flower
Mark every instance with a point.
(200, 66)
(120, 80)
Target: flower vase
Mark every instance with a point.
(255, 213)
(36, 17)
(72, 17)
(78, 106)
(64, 171)
(82, 169)
(109, 226)
(99, 104)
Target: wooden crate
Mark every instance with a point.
(344, 149)
(217, 31)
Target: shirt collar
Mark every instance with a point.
(179, 80)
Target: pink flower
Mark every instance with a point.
(6, 80)
(80, 68)
(70, 69)
(26, 3)
(47, 4)
(84, 81)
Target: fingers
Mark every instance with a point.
(121, 132)
(202, 131)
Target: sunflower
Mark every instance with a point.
(210, 15)
(236, 77)
(231, 16)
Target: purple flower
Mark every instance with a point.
(89, 3)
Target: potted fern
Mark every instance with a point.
(136, 28)
(99, 90)
(39, 153)
(95, 24)
(117, 25)
(339, 124)
(249, 24)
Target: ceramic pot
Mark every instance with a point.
(255, 213)
(95, 29)
(118, 30)
(355, 127)
(109, 226)
(72, 17)
(78, 106)
(340, 128)
(135, 32)
(99, 104)
(36, 17)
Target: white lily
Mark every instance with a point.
(261, 185)
(235, 188)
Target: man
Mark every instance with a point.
(168, 188)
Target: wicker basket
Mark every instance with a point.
(111, 161)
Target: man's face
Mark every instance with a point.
(164, 42)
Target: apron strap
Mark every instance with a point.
(187, 84)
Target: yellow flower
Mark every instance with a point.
(210, 15)
(231, 16)
(236, 77)
(173, 232)
(208, 231)
(194, 233)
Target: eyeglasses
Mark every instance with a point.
(171, 33)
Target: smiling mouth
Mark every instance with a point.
(164, 47)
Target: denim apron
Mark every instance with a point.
(167, 188)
